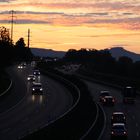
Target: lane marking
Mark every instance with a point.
(137, 134)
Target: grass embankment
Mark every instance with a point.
(113, 79)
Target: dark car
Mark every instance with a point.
(118, 117)
(36, 72)
(103, 94)
(37, 88)
(118, 131)
(108, 100)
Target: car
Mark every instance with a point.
(31, 78)
(36, 72)
(37, 88)
(118, 117)
(129, 94)
(108, 100)
(118, 130)
(20, 66)
(103, 94)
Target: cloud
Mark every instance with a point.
(98, 19)
(120, 13)
(6, 1)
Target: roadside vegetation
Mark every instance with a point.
(102, 66)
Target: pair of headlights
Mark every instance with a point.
(39, 89)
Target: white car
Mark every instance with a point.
(31, 78)
(118, 117)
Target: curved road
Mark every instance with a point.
(29, 112)
(132, 111)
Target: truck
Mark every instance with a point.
(129, 94)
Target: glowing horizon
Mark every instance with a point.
(66, 24)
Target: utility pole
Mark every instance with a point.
(28, 38)
(12, 22)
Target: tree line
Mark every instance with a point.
(10, 52)
(102, 61)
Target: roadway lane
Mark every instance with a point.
(34, 111)
(16, 94)
(131, 111)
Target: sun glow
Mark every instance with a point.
(62, 25)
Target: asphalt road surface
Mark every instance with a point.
(21, 112)
(132, 111)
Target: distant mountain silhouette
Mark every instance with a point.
(47, 52)
(115, 51)
(120, 51)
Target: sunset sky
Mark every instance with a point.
(65, 24)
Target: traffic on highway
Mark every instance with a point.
(121, 111)
(39, 101)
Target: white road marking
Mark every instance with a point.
(137, 134)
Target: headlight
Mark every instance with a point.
(41, 89)
(112, 132)
(28, 78)
(33, 89)
(124, 132)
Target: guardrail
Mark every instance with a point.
(7, 90)
(72, 124)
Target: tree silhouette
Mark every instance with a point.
(10, 52)
(20, 43)
(5, 40)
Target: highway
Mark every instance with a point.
(22, 113)
(131, 111)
